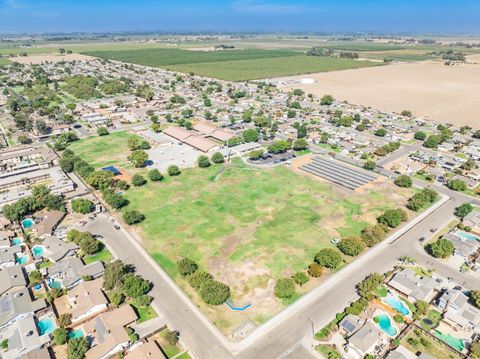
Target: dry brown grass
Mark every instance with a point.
(38, 59)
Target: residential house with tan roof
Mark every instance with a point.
(12, 279)
(366, 339)
(18, 305)
(109, 333)
(56, 248)
(71, 271)
(46, 223)
(86, 301)
(148, 350)
(412, 286)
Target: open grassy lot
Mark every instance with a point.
(235, 65)
(104, 151)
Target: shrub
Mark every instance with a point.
(133, 217)
(250, 135)
(351, 246)
(315, 270)
(372, 235)
(155, 175)
(475, 298)
(89, 245)
(173, 170)
(143, 301)
(60, 336)
(34, 277)
(421, 199)
(369, 165)
(135, 286)
(457, 185)
(203, 161)
(285, 288)
(256, 154)
(214, 293)
(328, 258)
(403, 181)
(420, 135)
(138, 158)
(392, 217)
(326, 100)
(367, 286)
(64, 320)
(102, 131)
(398, 318)
(186, 267)
(300, 144)
(77, 348)
(279, 146)
(199, 278)
(138, 180)
(116, 297)
(217, 157)
(463, 210)
(441, 248)
(381, 132)
(82, 205)
(172, 336)
(300, 278)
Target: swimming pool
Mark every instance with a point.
(21, 258)
(46, 326)
(396, 304)
(27, 223)
(384, 323)
(54, 284)
(76, 334)
(466, 235)
(38, 251)
(455, 343)
(17, 241)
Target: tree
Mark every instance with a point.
(77, 348)
(300, 144)
(300, 278)
(115, 200)
(381, 132)
(432, 141)
(173, 170)
(406, 113)
(102, 131)
(442, 248)
(279, 146)
(315, 270)
(404, 181)
(34, 277)
(172, 337)
(113, 275)
(138, 180)
(199, 278)
(250, 135)
(326, 100)
(284, 288)
(60, 336)
(154, 175)
(421, 199)
(203, 161)
(463, 210)
(186, 267)
(116, 297)
(372, 235)
(256, 154)
(135, 286)
(369, 165)
(328, 258)
(351, 246)
(82, 205)
(24, 139)
(138, 158)
(217, 157)
(420, 135)
(88, 244)
(133, 217)
(393, 217)
(100, 179)
(475, 298)
(457, 185)
(214, 292)
(366, 287)
(64, 320)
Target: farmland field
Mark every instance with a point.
(234, 65)
(4, 62)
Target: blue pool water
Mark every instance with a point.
(46, 326)
(466, 235)
(38, 251)
(54, 284)
(76, 334)
(17, 241)
(22, 258)
(37, 287)
(386, 325)
(397, 304)
(27, 223)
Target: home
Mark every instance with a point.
(109, 333)
(18, 305)
(350, 324)
(8, 256)
(412, 286)
(464, 248)
(22, 338)
(472, 220)
(71, 271)
(55, 249)
(366, 339)
(46, 223)
(147, 350)
(86, 301)
(12, 279)
(402, 352)
(458, 312)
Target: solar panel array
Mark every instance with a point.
(337, 172)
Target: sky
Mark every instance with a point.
(387, 16)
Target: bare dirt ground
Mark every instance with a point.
(38, 59)
(429, 89)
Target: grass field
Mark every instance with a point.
(111, 150)
(4, 62)
(238, 65)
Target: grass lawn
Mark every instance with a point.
(432, 316)
(144, 313)
(444, 231)
(235, 65)
(104, 255)
(381, 291)
(102, 151)
(336, 149)
(414, 341)
(328, 352)
(170, 350)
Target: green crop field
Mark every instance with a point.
(235, 65)
(4, 62)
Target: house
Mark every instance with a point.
(8, 256)
(55, 249)
(412, 286)
(18, 305)
(366, 339)
(401, 352)
(108, 332)
(37, 354)
(148, 350)
(23, 338)
(464, 248)
(458, 312)
(472, 220)
(47, 222)
(12, 279)
(86, 301)
(70, 271)
(350, 324)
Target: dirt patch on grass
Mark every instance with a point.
(39, 59)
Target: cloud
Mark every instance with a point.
(267, 7)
